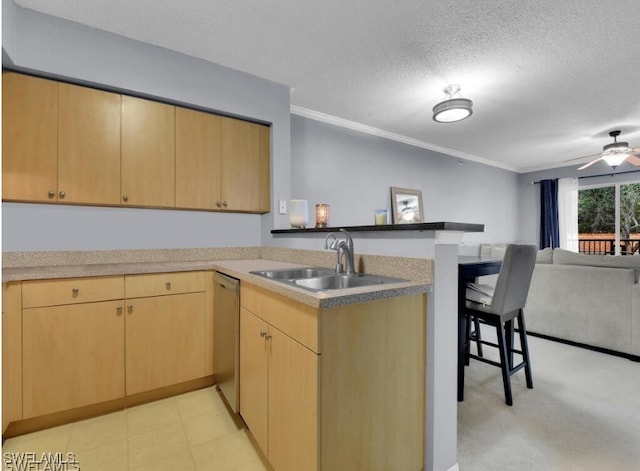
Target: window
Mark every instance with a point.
(609, 219)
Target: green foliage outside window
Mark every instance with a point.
(596, 210)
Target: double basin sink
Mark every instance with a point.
(324, 279)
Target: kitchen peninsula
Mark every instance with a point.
(332, 392)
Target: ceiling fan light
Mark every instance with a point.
(452, 110)
(615, 158)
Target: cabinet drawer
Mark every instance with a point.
(159, 284)
(295, 319)
(40, 293)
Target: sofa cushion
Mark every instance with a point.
(582, 304)
(493, 250)
(566, 257)
(545, 255)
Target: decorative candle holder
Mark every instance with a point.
(322, 215)
(298, 213)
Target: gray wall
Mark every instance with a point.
(353, 173)
(63, 49)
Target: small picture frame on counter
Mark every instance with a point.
(406, 206)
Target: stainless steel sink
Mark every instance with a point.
(324, 279)
(343, 281)
(295, 273)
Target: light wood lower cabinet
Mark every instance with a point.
(72, 356)
(76, 342)
(11, 353)
(356, 401)
(165, 341)
(278, 399)
(254, 376)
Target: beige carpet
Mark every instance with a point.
(583, 414)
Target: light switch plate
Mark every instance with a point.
(282, 207)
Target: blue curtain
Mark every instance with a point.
(549, 228)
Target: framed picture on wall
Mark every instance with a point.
(406, 206)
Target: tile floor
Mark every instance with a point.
(190, 432)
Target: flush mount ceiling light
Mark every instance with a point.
(452, 109)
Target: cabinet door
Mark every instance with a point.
(73, 356)
(241, 166)
(11, 353)
(293, 404)
(254, 369)
(29, 138)
(197, 159)
(164, 341)
(88, 145)
(148, 153)
(265, 169)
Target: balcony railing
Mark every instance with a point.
(607, 246)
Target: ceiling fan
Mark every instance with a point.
(615, 153)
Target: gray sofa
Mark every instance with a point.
(587, 299)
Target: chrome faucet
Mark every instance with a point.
(343, 247)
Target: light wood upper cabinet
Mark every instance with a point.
(197, 160)
(245, 166)
(64, 143)
(29, 138)
(148, 149)
(265, 169)
(72, 356)
(88, 145)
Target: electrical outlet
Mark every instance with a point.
(282, 207)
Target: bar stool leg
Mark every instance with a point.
(504, 363)
(524, 345)
(478, 335)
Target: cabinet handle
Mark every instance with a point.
(224, 203)
(74, 292)
(62, 195)
(168, 284)
(129, 308)
(263, 333)
(119, 310)
(218, 204)
(51, 194)
(125, 198)
(267, 336)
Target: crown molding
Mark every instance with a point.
(359, 127)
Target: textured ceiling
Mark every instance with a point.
(549, 79)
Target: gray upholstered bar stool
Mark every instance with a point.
(499, 307)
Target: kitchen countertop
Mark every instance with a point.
(327, 299)
(236, 268)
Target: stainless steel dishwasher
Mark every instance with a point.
(226, 335)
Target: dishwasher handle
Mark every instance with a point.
(226, 282)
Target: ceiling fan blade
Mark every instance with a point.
(633, 160)
(584, 157)
(590, 163)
